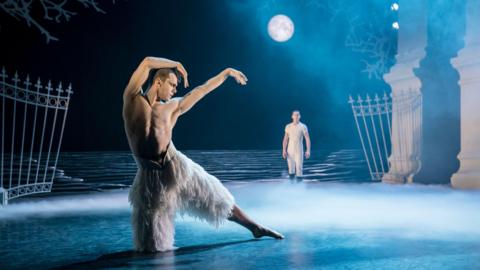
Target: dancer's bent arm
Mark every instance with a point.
(190, 99)
(141, 74)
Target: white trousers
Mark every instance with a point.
(295, 162)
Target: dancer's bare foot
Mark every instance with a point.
(262, 231)
(258, 231)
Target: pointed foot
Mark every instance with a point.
(261, 231)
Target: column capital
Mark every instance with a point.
(412, 40)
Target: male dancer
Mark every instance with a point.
(293, 145)
(166, 179)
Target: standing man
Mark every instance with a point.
(167, 181)
(293, 145)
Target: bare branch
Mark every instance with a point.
(371, 41)
(53, 10)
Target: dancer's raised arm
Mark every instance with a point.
(141, 73)
(186, 103)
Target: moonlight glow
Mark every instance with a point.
(280, 28)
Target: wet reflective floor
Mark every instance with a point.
(326, 225)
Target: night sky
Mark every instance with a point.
(313, 72)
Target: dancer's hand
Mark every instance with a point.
(307, 154)
(182, 72)
(237, 75)
(284, 154)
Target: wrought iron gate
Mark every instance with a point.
(33, 120)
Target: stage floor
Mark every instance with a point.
(326, 225)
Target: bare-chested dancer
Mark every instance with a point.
(167, 180)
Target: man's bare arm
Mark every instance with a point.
(190, 99)
(284, 145)
(307, 139)
(140, 75)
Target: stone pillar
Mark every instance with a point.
(3, 196)
(468, 65)
(441, 93)
(406, 129)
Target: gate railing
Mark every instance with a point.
(373, 119)
(373, 122)
(33, 121)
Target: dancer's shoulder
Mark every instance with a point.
(174, 100)
(304, 127)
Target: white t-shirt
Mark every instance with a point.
(295, 134)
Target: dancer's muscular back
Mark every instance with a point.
(147, 126)
(149, 119)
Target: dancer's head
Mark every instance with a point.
(296, 116)
(165, 83)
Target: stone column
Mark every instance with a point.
(406, 128)
(3, 196)
(468, 65)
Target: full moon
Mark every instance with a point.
(280, 28)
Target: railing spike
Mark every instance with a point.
(59, 88)
(350, 99)
(27, 81)
(49, 86)
(368, 99)
(359, 99)
(15, 78)
(4, 73)
(69, 89)
(38, 85)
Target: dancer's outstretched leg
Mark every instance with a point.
(238, 216)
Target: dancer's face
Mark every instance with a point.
(295, 116)
(168, 88)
